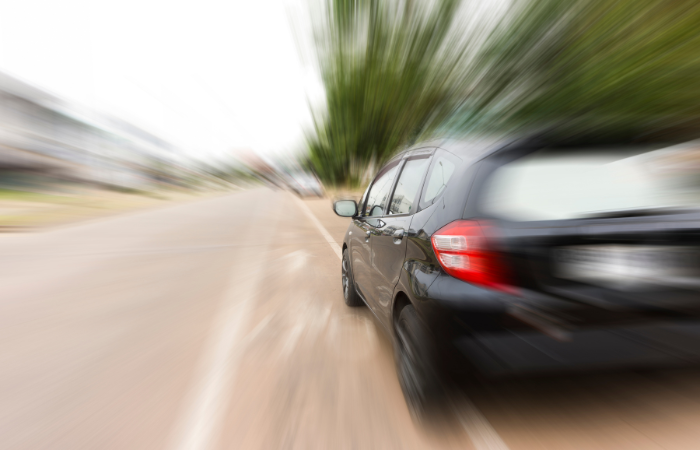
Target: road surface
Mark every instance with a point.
(220, 324)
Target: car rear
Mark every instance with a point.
(570, 257)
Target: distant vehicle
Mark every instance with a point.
(526, 257)
(305, 184)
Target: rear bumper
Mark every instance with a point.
(530, 352)
(502, 333)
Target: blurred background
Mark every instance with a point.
(166, 170)
(401, 72)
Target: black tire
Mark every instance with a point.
(352, 298)
(417, 365)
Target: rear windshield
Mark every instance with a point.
(566, 184)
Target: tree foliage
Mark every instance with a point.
(397, 70)
(626, 68)
(387, 68)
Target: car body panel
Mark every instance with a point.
(360, 248)
(388, 254)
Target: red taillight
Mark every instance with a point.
(464, 251)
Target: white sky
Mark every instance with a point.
(209, 75)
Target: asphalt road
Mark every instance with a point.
(220, 324)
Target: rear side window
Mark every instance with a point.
(440, 174)
(587, 183)
(380, 190)
(408, 185)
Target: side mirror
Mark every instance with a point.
(345, 208)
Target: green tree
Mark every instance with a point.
(396, 71)
(629, 68)
(387, 68)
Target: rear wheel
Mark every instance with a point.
(417, 364)
(352, 298)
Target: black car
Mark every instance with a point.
(528, 256)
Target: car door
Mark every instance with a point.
(358, 249)
(389, 243)
(365, 226)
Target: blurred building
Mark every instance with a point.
(48, 139)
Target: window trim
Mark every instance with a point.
(416, 200)
(363, 200)
(437, 154)
(385, 169)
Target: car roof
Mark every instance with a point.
(471, 150)
(468, 150)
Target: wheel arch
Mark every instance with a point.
(401, 300)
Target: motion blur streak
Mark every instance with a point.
(399, 72)
(324, 233)
(110, 349)
(199, 429)
(480, 431)
(550, 147)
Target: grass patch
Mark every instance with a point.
(25, 196)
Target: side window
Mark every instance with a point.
(408, 185)
(440, 174)
(380, 190)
